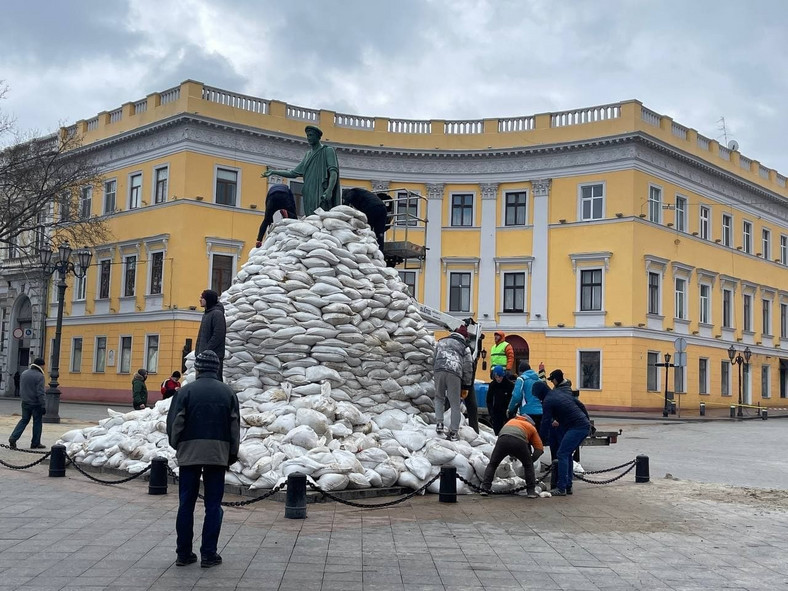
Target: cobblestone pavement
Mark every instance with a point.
(70, 533)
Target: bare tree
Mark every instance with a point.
(45, 187)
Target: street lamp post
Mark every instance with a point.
(62, 266)
(666, 408)
(737, 359)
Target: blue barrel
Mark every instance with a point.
(481, 393)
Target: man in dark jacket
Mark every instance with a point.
(33, 399)
(499, 394)
(371, 206)
(213, 328)
(452, 367)
(203, 425)
(280, 198)
(139, 391)
(561, 410)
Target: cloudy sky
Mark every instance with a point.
(695, 60)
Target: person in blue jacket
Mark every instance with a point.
(523, 401)
(561, 410)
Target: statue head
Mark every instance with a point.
(313, 134)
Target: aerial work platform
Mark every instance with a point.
(406, 233)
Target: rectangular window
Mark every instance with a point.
(221, 272)
(652, 372)
(100, 362)
(110, 190)
(727, 230)
(105, 267)
(409, 279)
(747, 299)
(152, 353)
(655, 204)
(160, 179)
(514, 292)
(592, 201)
(407, 209)
(703, 375)
(784, 250)
(76, 354)
(766, 381)
(590, 290)
(80, 284)
(459, 292)
(515, 208)
(727, 303)
(226, 186)
(590, 370)
(705, 222)
(156, 272)
(784, 321)
(766, 244)
(678, 379)
(681, 213)
(125, 355)
(462, 210)
(705, 304)
(746, 230)
(653, 293)
(64, 204)
(85, 202)
(135, 191)
(725, 378)
(766, 317)
(681, 298)
(129, 275)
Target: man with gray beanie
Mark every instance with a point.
(213, 328)
(204, 428)
(31, 390)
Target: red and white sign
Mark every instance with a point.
(18, 332)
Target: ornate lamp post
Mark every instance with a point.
(62, 266)
(736, 359)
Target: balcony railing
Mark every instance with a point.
(589, 115)
(408, 126)
(238, 101)
(516, 124)
(170, 96)
(116, 115)
(463, 127)
(354, 121)
(141, 106)
(302, 114)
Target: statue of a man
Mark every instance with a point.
(320, 170)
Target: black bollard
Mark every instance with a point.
(554, 474)
(641, 469)
(733, 411)
(295, 500)
(57, 461)
(158, 477)
(703, 409)
(448, 485)
(764, 414)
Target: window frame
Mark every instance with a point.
(783, 249)
(592, 286)
(727, 230)
(75, 365)
(704, 223)
(766, 317)
(725, 378)
(121, 349)
(784, 320)
(463, 208)
(96, 350)
(114, 193)
(766, 381)
(513, 290)
(85, 202)
(216, 180)
(747, 316)
(99, 280)
(411, 287)
(652, 371)
(129, 271)
(680, 217)
(727, 308)
(157, 184)
(152, 368)
(704, 304)
(654, 205)
(766, 244)
(703, 376)
(580, 365)
(654, 297)
(135, 190)
(233, 269)
(591, 200)
(80, 288)
(151, 269)
(746, 236)
(515, 207)
(462, 290)
(680, 300)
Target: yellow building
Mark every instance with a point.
(595, 238)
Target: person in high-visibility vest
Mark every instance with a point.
(502, 353)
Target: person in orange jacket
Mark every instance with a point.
(518, 438)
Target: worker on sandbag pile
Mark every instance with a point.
(502, 353)
(279, 199)
(452, 367)
(371, 206)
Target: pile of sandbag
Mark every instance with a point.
(332, 366)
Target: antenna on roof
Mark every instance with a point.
(732, 144)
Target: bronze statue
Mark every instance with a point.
(320, 170)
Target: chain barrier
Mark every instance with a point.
(609, 480)
(24, 451)
(38, 461)
(270, 493)
(94, 479)
(410, 495)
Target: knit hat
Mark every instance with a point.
(207, 361)
(556, 374)
(38, 361)
(540, 389)
(462, 330)
(498, 371)
(210, 297)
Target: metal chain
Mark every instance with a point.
(270, 493)
(7, 465)
(94, 479)
(410, 495)
(624, 465)
(24, 451)
(609, 480)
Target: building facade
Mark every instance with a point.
(595, 238)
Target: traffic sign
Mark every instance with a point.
(28, 333)
(680, 360)
(18, 332)
(680, 344)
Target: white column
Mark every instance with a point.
(432, 265)
(486, 275)
(539, 249)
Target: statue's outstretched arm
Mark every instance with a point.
(288, 174)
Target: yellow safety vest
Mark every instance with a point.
(498, 354)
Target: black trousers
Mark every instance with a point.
(509, 445)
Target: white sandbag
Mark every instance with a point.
(419, 466)
(317, 421)
(332, 482)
